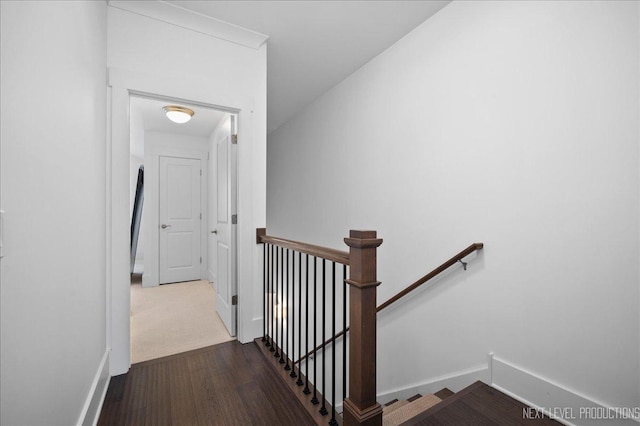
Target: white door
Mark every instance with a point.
(226, 201)
(180, 219)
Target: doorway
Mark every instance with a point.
(176, 281)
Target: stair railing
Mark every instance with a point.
(288, 317)
(443, 267)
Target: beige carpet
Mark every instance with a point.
(173, 318)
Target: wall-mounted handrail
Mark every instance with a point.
(455, 259)
(464, 253)
(330, 254)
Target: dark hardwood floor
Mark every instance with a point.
(226, 384)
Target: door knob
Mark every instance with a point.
(215, 231)
(163, 226)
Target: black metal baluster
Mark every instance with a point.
(306, 390)
(264, 292)
(323, 409)
(314, 400)
(333, 421)
(272, 315)
(289, 322)
(282, 300)
(277, 319)
(293, 315)
(267, 296)
(277, 304)
(299, 382)
(344, 332)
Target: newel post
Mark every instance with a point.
(361, 407)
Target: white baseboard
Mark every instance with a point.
(454, 382)
(561, 404)
(93, 404)
(564, 405)
(249, 331)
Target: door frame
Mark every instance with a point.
(152, 154)
(251, 194)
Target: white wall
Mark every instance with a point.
(136, 152)
(136, 160)
(511, 123)
(150, 56)
(166, 144)
(53, 294)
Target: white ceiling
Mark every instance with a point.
(149, 112)
(313, 45)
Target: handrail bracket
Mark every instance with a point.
(464, 264)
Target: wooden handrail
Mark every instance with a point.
(333, 255)
(360, 407)
(464, 253)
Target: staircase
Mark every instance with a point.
(395, 413)
(319, 334)
(477, 404)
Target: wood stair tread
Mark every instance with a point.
(408, 410)
(444, 393)
(394, 406)
(477, 404)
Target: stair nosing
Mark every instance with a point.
(409, 407)
(442, 404)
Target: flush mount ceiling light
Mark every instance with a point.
(178, 114)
